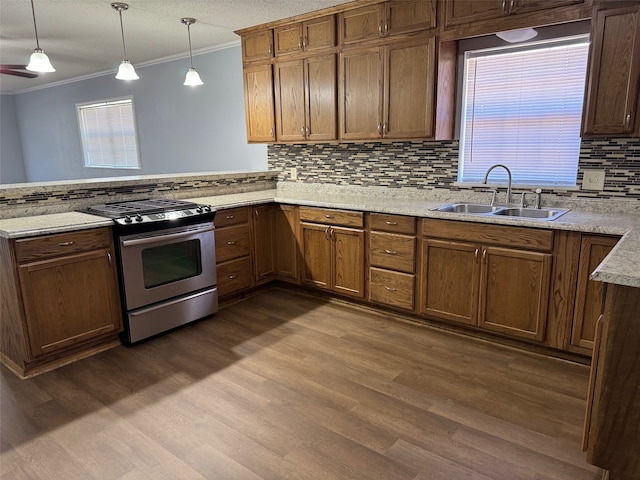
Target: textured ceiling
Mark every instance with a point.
(82, 37)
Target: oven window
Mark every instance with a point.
(170, 263)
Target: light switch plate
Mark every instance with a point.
(593, 180)
(293, 173)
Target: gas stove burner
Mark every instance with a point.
(135, 212)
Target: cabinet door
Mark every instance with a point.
(524, 6)
(348, 261)
(613, 82)
(319, 33)
(361, 77)
(70, 300)
(403, 16)
(287, 39)
(588, 304)
(321, 98)
(409, 98)
(234, 275)
(514, 292)
(451, 272)
(257, 46)
(286, 245)
(290, 103)
(465, 11)
(258, 102)
(316, 255)
(263, 255)
(364, 23)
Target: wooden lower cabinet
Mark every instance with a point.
(286, 244)
(233, 250)
(589, 294)
(62, 297)
(495, 287)
(333, 256)
(263, 218)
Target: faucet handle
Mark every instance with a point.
(523, 199)
(538, 198)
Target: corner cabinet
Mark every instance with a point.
(263, 248)
(612, 104)
(333, 250)
(62, 298)
(494, 277)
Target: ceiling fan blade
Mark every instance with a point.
(9, 71)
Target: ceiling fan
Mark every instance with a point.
(17, 70)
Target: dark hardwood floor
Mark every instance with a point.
(288, 386)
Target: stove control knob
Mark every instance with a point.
(207, 208)
(127, 219)
(199, 209)
(138, 218)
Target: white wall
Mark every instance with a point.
(180, 129)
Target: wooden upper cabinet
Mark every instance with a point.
(466, 11)
(312, 35)
(409, 93)
(259, 103)
(306, 99)
(388, 91)
(361, 100)
(388, 18)
(257, 46)
(612, 107)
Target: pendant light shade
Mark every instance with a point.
(126, 70)
(193, 78)
(39, 62)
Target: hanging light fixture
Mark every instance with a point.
(126, 70)
(192, 79)
(39, 62)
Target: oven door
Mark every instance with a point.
(167, 263)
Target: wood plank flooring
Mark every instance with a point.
(289, 386)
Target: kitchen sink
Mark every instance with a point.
(547, 214)
(537, 213)
(473, 208)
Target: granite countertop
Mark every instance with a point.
(620, 266)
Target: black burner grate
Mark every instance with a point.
(143, 207)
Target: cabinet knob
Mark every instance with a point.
(503, 7)
(627, 120)
(380, 129)
(390, 252)
(231, 242)
(390, 289)
(231, 277)
(391, 223)
(230, 217)
(65, 244)
(328, 216)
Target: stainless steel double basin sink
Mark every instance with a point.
(546, 214)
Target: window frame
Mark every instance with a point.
(549, 37)
(83, 145)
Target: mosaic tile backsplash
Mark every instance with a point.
(434, 165)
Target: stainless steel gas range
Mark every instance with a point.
(166, 262)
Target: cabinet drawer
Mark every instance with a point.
(232, 242)
(391, 288)
(392, 223)
(234, 276)
(231, 216)
(395, 252)
(504, 235)
(30, 249)
(330, 216)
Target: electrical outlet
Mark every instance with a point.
(593, 180)
(293, 173)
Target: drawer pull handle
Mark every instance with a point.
(328, 216)
(392, 223)
(109, 257)
(231, 242)
(231, 277)
(230, 217)
(390, 252)
(391, 289)
(65, 244)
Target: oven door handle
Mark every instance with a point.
(171, 236)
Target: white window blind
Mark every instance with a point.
(108, 134)
(522, 107)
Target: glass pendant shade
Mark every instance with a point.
(193, 78)
(39, 62)
(516, 36)
(126, 71)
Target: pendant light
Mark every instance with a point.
(126, 70)
(192, 79)
(39, 62)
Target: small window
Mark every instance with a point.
(522, 107)
(108, 132)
